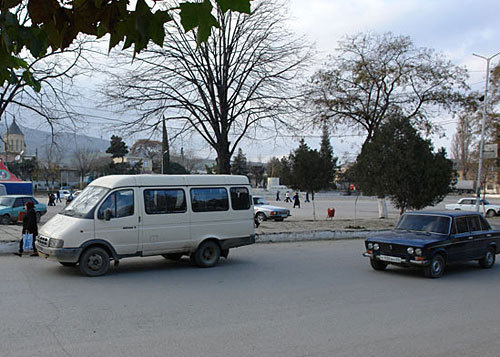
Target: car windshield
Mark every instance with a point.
(424, 223)
(259, 201)
(85, 201)
(6, 201)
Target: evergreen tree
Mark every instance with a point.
(239, 166)
(117, 147)
(400, 164)
(329, 162)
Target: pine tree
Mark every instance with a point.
(117, 147)
(329, 162)
(239, 166)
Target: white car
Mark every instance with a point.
(469, 204)
(264, 211)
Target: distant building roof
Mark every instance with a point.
(14, 128)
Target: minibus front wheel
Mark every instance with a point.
(94, 261)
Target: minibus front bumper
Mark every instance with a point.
(65, 255)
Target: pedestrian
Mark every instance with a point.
(52, 199)
(58, 194)
(296, 200)
(307, 197)
(278, 195)
(287, 197)
(29, 227)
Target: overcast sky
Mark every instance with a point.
(455, 28)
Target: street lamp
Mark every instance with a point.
(483, 124)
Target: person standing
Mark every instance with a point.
(307, 197)
(278, 195)
(296, 200)
(58, 195)
(287, 197)
(30, 226)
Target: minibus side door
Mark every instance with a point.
(117, 221)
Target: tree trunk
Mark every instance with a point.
(314, 206)
(223, 159)
(382, 207)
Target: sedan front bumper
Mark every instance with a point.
(396, 260)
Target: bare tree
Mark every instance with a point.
(244, 77)
(84, 160)
(372, 76)
(49, 165)
(462, 143)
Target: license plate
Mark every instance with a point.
(388, 258)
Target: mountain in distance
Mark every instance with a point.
(37, 142)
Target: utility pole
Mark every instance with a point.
(483, 124)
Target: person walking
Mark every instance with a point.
(58, 196)
(278, 195)
(296, 200)
(287, 197)
(30, 226)
(307, 197)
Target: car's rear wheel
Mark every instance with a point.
(490, 213)
(489, 259)
(5, 219)
(436, 268)
(207, 255)
(378, 265)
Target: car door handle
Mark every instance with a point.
(128, 227)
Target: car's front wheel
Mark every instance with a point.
(489, 259)
(261, 217)
(436, 268)
(5, 219)
(94, 262)
(378, 265)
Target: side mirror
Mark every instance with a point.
(108, 214)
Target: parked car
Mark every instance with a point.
(469, 204)
(264, 211)
(11, 205)
(432, 240)
(64, 194)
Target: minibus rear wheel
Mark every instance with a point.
(94, 261)
(207, 255)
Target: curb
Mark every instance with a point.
(8, 247)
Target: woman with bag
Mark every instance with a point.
(30, 230)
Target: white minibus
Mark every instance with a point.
(120, 216)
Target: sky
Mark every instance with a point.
(455, 28)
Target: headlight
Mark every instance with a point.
(418, 251)
(56, 243)
(369, 246)
(376, 246)
(410, 250)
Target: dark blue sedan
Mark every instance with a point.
(432, 240)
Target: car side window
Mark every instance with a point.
(461, 225)
(474, 224)
(162, 201)
(209, 199)
(19, 202)
(120, 203)
(240, 198)
(485, 226)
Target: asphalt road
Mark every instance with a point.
(289, 299)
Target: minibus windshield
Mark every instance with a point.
(85, 201)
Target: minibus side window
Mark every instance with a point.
(240, 198)
(209, 199)
(161, 201)
(121, 204)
